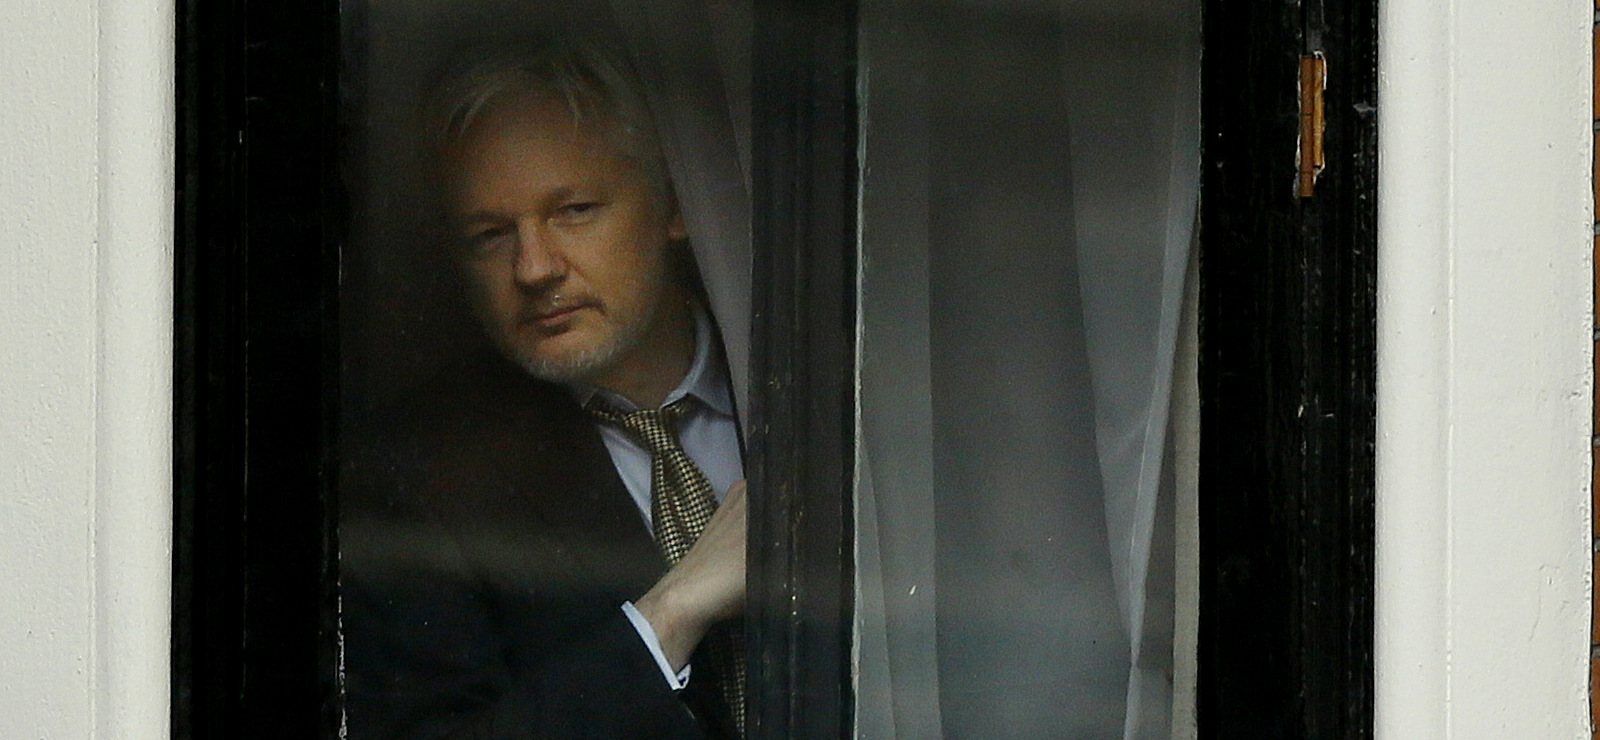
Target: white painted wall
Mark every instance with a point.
(85, 367)
(1484, 369)
(1484, 377)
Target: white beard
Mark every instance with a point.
(582, 365)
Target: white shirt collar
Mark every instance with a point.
(706, 380)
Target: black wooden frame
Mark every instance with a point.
(1287, 372)
(256, 284)
(1287, 376)
(802, 584)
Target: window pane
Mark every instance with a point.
(545, 328)
(1031, 174)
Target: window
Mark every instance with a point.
(274, 295)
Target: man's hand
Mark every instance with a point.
(705, 587)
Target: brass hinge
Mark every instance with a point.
(1313, 80)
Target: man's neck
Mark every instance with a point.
(661, 361)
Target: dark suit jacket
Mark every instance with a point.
(487, 545)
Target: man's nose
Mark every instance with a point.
(539, 258)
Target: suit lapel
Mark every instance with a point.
(561, 476)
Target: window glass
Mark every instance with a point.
(545, 329)
(1030, 176)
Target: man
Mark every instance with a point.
(507, 532)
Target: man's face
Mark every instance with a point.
(565, 240)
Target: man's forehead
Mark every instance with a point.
(530, 136)
(529, 122)
(531, 116)
(505, 136)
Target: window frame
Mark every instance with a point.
(259, 216)
(1288, 370)
(801, 584)
(1287, 309)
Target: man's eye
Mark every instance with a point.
(490, 241)
(579, 211)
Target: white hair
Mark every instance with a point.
(594, 80)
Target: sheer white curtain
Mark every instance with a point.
(1132, 79)
(1031, 174)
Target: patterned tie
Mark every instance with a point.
(681, 502)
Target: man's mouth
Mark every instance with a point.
(553, 318)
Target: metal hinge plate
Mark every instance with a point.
(1313, 80)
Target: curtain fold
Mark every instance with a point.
(898, 678)
(1132, 82)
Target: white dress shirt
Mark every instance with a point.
(709, 434)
